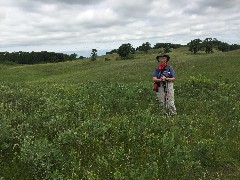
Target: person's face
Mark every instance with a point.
(163, 60)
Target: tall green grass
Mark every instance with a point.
(100, 120)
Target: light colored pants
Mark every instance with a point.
(165, 96)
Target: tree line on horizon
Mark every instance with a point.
(35, 57)
(125, 51)
(207, 45)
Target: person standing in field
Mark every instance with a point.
(163, 77)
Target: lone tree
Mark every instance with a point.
(224, 47)
(144, 47)
(94, 55)
(208, 44)
(195, 45)
(125, 50)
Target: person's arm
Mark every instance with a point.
(155, 75)
(155, 79)
(170, 79)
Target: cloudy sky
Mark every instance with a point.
(64, 25)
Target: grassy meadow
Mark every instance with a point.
(100, 119)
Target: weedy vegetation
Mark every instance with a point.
(100, 119)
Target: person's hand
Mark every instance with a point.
(163, 78)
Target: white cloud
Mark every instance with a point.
(64, 24)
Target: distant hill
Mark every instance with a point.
(86, 53)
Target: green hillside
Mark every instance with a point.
(100, 119)
(140, 69)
